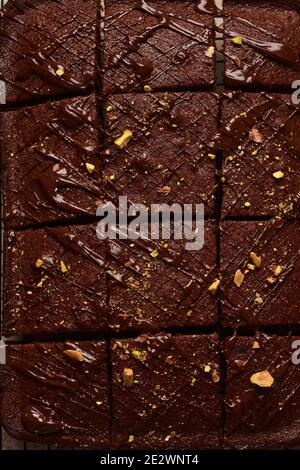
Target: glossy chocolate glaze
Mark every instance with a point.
(270, 53)
(51, 398)
(267, 296)
(50, 298)
(173, 403)
(159, 43)
(168, 158)
(249, 185)
(45, 177)
(37, 38)
(261, 418)
(139, 300)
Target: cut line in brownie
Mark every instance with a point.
(166, 392)
(158, 284)
(262, 46)
(57, 393)
(54, 281)
(51, 164)
(48, 48)
(262, 392)
(261, 155)
(161, 44)
(158, 148)
(260, 269)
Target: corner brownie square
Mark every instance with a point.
(261, 155)
(262, 392)
(260, 267)
(54, 281)
(47, 48)
(161, 44)
(167, 156)
(166, 392)
(51, 166)
(160, 284)
(57, 393)
(262, 44)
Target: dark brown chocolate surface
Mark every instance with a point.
(257, 417)
(168, 159)
(57, 393)
(270, 51)
(39, 39)
(54, 282)
(160, 284)
(261, 155)
(269, 293)
(158, 43)
(174, 401)
(45, 167)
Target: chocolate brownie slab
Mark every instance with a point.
(57, 393)
(51, 165)
(262, 392)
(160, 284)
(54, 281)
(261, 155)
(47, 47)
(260, 273)
(161, 44)
(166, 392)
(262, 44)
(158, 149)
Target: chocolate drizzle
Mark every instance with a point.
(33, 67)
(40, 420)
(267, 56)
(133, 65)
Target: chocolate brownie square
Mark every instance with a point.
(260, 267)
(57, 393)
(161, 44)
(51, 165)
(47, 48)
(166, 392)
(261, 155)
(155, 284)
(158, 148)
(54, 281)
(262, 44)
(262, 392)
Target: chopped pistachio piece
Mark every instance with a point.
(237, 40)
(63, 267)
(90, 167)
(210, 52)
(239, 278)
(39, 263)
(262, 379)
(256, 259)
(124, 139)
(59, 72)
(147, 88)
(127, 377)
(278, 175)
(213, 288)
(74, 355)
(154, 254)
(278, 270)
